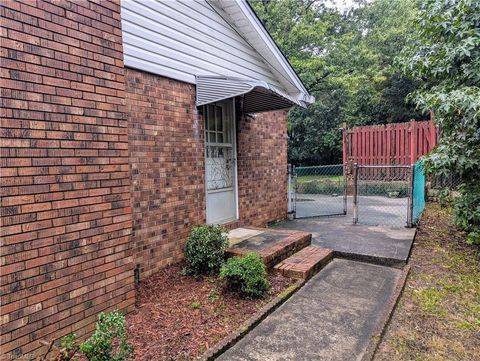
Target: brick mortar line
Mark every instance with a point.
(62, 199)
(65, 224)
(118, 83)
(54, 253)
(119, 297)
(48, 166)
(15, 136)
(63, 208)
(126, 270)
(64, 251)
(69, 46)
(125, 288)
(78, 4)
(124, 292)
(55, 76)
(60, 217)
(57, 192)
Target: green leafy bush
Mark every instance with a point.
(445, 51)
(444, 197)
(109, 341)
(467, 212)
(246, 275)
(205, 250)
(68, 348)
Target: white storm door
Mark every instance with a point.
(220, 162)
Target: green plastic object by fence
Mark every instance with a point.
(418, 192)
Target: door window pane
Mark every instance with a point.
(211, 137)
(219, 167)
(219, 118)
(211, 117)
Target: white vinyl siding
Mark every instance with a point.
(181, 39)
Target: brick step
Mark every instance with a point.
(272, 245)
(305, 263)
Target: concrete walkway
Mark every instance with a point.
(388, 246)
(331, 318)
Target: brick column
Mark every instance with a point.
(65, 179)
(262, 167)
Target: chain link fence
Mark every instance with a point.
(382, 195)
(443, 188)
(320, 191)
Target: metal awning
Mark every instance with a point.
(259, 96)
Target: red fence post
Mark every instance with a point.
(413, 141)
(433, 132)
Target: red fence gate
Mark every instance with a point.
(397, 143)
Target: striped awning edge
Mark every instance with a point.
(259, 96)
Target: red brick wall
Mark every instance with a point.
(166, 143)
(83, 139)
(262, 167)
(167, 165)
(65, 187)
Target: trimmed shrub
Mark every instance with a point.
(205, 250)
(246, 275)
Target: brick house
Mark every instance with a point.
(122, 126)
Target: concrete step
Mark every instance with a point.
(305, 263)
(273, 246)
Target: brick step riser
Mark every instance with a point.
(299, 266)
(273, 258)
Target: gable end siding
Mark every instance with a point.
(181, 39)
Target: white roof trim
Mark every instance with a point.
(257, 36)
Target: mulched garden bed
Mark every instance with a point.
(179, 317)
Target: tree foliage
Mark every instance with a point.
(346, 61)
(445, 51)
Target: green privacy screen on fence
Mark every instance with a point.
(418, 192)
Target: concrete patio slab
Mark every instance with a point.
(384, 245)
(333, 317)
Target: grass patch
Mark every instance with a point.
(309, 178)
(438, 316)
(430, 300)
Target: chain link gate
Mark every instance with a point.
(382, 195)
(319, 191)
(388, 195)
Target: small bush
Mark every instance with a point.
(205, 250)
(246, 275)
(109, 341)
(467, 212)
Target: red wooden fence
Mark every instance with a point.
(397, 143)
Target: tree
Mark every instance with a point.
(345, 60)
(445, 51)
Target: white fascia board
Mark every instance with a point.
(273, 48)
